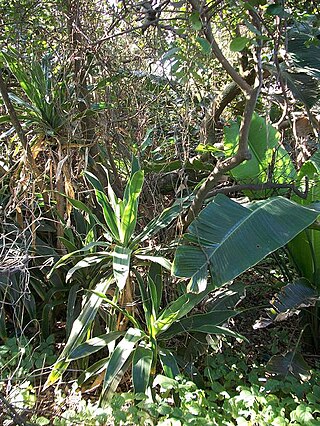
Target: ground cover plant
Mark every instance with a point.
(159, 186)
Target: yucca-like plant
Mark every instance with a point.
(109, 260)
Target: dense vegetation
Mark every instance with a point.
(159, 186)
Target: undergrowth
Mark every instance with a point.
(236, 392)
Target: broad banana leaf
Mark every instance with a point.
(304, 65)
(228, 238)
(304, 54)
(292, 363)
(265, 150)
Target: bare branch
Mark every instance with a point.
(227, 164)
(259, 187)
(236, 77)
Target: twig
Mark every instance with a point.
(258, 187)
(15, 416)
(236, 77)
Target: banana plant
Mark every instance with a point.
(227, 238)
(113, 256)
(304, 252)
(304, 249)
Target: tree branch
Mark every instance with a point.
(16, 123)
(236, 77)
(228, 164)
(259, 187)
(252, 95)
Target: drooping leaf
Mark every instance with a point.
(120, 355)
(169, 363)
(294, 296)
(141, 368)
(226, 297)
(63, 260)
(93, 345)
(156, 259)
(94, 369)
(179, 308)
(290, 364)
(166, 217)
(87, 262)
(78, 332)
(204, 323)
(121, 265)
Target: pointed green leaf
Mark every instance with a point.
(63, 260)
(205, 45)
(162, 221)
(93, 345)
(156, 259)
(108, 213)
(141, 368)
(169, 363)
(121, 265)
(94, 369)
(204, 323)
(179, 308)
(78, 332)
(120, 355)
(87, 262)
(129, 217)
(195, 21)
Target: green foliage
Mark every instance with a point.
(20, 356)
(47, 101)
(232, 243)
(120, 218)
(268, 158)
(233, 398)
